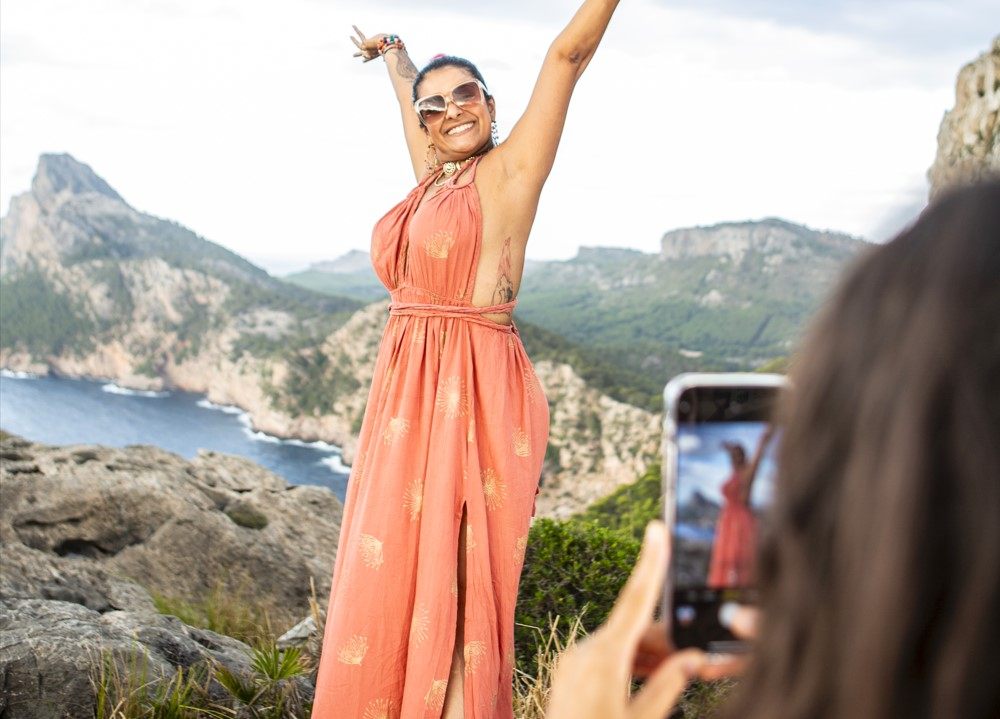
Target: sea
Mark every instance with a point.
(57, 410)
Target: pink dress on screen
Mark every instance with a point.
(733, 551)
(455, 417)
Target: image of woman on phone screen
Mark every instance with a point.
(735, 542)
(421, 614)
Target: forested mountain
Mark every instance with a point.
(729, 296)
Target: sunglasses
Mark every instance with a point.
(433, 107)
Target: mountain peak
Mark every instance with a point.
(351, 262)
(736, 239)
(59, 173)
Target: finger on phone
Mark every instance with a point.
(744, 622)
(631, 613)
(664, 687)
(721, 666)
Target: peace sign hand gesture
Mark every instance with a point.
(367, 46)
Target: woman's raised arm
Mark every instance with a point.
(530, 149)
(402, 72)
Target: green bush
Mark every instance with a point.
(246, 516)
(630, 507)
(570, 568)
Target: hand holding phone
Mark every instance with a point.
(718, 479)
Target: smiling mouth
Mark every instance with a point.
(459, 129)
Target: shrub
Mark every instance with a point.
(630, 507)
(246, 515)
(571, 568)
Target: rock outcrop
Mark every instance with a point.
(87, 533)
(149, 305)
(52, 651)
(969, 137)
(782, 242)
(177, 527)
(597, 442)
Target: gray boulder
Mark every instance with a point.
(87, 532)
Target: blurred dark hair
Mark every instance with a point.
(880, 569)
(447, 61)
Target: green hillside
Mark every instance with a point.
(727, 297)
(80, 267)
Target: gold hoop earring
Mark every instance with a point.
(428, 163)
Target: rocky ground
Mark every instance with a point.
(88, 533)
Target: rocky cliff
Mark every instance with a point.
(781, 241)
(94, 288)
(88, 533)
(969, 137)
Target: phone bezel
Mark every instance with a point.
(671, 397)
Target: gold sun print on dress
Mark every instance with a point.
(521, 442)
(439, 244)
(452, 399)
(530, 384)
(434, 698)
(520, 546)
(413, 498)
(494, 489)
(395, 428)
(371, 551)
(381, 709)
(420, 624)
(353, 651)
(474, 653)
(358, 469)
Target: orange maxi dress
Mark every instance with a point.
(455, 417)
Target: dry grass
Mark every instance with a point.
(124, 690)
(236, 614)
(531, 691)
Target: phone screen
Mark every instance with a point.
(725, 448)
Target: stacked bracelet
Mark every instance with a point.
(389, 42)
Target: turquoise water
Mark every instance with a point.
(54, 410)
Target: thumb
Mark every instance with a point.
(664, 687)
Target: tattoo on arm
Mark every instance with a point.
(405, 67)
(504, 291)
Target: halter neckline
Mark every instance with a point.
(460, 172)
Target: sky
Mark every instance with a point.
(251, 123)
(704, 464)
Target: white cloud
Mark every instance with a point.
(255, 127)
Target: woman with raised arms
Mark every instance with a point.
(421, 615)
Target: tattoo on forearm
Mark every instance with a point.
(504, 291)
(405, 67)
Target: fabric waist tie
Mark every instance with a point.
(470, 314)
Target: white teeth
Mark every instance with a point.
(460, 128)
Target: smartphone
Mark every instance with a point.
(718, 474)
